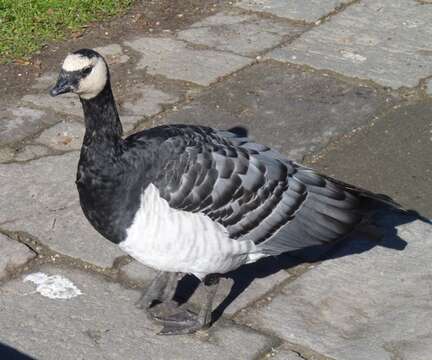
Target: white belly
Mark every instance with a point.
(179, 241)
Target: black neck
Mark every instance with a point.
(101, 116)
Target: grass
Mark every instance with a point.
(25, 25)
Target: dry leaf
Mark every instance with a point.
(67, 140)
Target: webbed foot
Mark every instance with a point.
(182, 322)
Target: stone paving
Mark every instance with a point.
(343, 85)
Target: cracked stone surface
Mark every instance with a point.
(16, 123)
(45, 81)
(106, 324)
(399, 138)
(40, 198)
(141, 101)
(68, 104)
(66, 135)
(175, 60)
(387, 41)
(138, 272)
(258, 279)
(113, 54)
(6, 154)
(283, 353)
(365, 303)
(29, 152)
(301, 10)
(13, 255)
(145, 100)
(429, 87)
(292, 110)
(242, 34)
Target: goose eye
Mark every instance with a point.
(86, 70)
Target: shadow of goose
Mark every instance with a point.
(9, 353)
(386, 222)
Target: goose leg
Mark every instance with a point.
(161, 289)
(186, 322)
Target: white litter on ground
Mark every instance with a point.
(54, 286)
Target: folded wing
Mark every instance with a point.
(254, 191)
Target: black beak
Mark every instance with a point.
(63, 85)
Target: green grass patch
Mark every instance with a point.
(25, 25)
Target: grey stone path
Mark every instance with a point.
(343, 85)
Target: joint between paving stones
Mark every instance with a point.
(47, 256)
(423, 87)
(338, 76)
(278, 344)
(325, 18)
(266, 298)
(51, 152)
(310, 159)
(267, 16)
(416, 91)
(25, 267)
(269, 350)
(305, 353)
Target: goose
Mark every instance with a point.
(186, 199)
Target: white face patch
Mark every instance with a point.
(54, 286)
(92, 84)
(74, 62)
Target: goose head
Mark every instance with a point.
(84, 72)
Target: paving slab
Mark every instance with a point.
(103, 323)
(429, 87)
(113, 54)
(236, 291)
(366, 302)
(244, 34)
(13, 255)
(68, 104)
(176, 60)
(6, 154)
(283, 353)
(45, 81)
(29, 152)
(140, 101)
(16, 123)
(40, 198)
(301, 10)
(393, 157)
(290, 109)
(66, 135)
(144, 100)
(387, 41)
(138, 273)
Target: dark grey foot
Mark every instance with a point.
(163, 310)
(185, 322)
(182, 322)
(160, 290)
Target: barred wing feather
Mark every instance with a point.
(254, 191)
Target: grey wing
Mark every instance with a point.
(255, 192)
